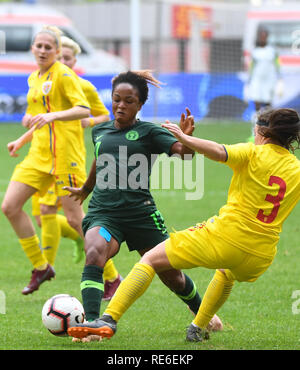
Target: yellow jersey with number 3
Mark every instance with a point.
(264, 189)
(56, 148)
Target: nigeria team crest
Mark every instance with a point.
(132, 135)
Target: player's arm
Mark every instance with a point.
(93, 121)
(15, 145)
(82, 193)
(98, 110)
(187, 126)
(210, 149)
(74, 113)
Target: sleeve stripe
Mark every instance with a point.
(226, 153)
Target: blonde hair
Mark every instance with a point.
(54, 31)
(71, 44)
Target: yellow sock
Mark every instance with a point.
(31, 247)
(50, 236)
(215, 296)
(131, 288)
(66, 230)
(110, 273)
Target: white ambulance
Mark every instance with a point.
(18, 25)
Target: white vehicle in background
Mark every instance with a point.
(18, 25)
(282, 22)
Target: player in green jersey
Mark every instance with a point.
(122, 207)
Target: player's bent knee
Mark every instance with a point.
(9, 209)
(95, 256)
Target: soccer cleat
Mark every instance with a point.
(110, 288)
(37, 278)
(78, 252)
(104, 327)
(195, 334)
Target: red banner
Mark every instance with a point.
(181, 20)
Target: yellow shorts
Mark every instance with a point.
(42, 181)
(198, 247)
(49, 199)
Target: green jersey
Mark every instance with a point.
(124, 158)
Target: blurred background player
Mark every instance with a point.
(56, 104)
(264, 76)
(44, 209)
(123, 212)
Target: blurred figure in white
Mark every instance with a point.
(264, 76)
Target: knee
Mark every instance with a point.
(94, 255)
(48, 210)
(9, 209)
(74, 222)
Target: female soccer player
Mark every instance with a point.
(44, 209)
(241, 241)
(121, 208)
(56, 103)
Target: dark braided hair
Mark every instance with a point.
(282, 126)
(139, 80)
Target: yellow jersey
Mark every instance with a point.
(90, 91)
(56, 148)
(264, 189)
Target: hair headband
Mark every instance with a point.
(262, 123)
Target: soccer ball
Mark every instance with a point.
(62, 312)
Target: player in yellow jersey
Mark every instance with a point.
(44, 209)
(240, 242)
(56, 103)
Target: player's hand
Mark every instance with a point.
(186, 123)
(42, 119)
(77, 193)
(85, 122)
(174, 129)
(12, 147)
(26, 120)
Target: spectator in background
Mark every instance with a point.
(264, 75)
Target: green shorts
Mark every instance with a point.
(139, 231)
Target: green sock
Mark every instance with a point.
(92, 291)
(189, 295)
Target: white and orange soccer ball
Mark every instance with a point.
(61, 312)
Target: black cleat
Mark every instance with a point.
(195, 334)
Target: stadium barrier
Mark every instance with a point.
(215, 95)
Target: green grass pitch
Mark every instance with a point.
(256, 316)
